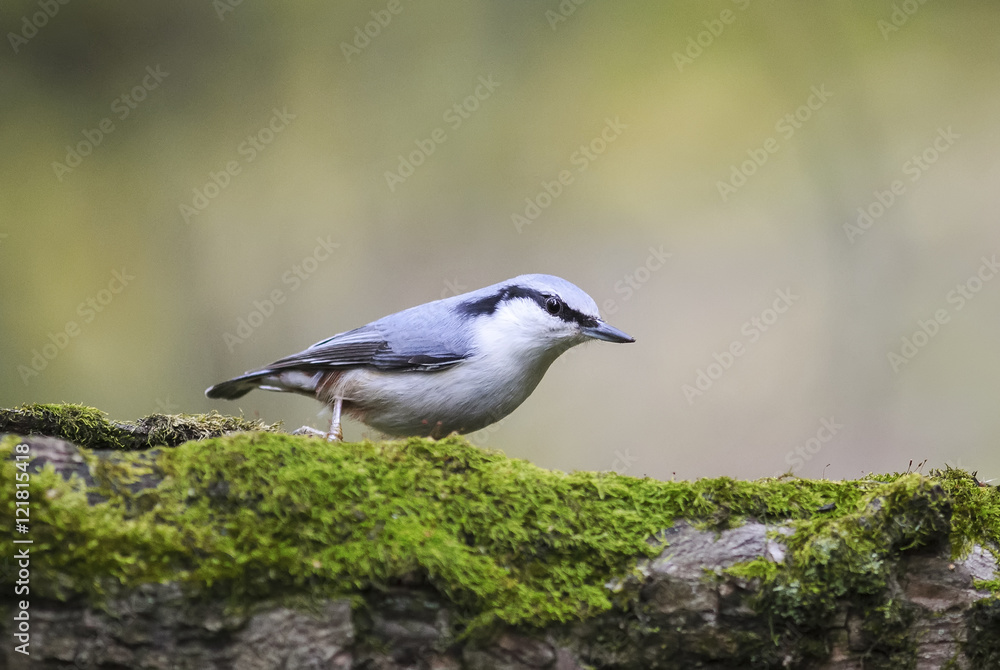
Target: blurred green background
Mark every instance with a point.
(738, 137)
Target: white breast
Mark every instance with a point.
(507, 362)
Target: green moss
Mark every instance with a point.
(849, 556)
(256, 515)
(90, 428)
(759, 568)
(976, 517)
(983, 643)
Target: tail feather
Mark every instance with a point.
(236, 387)
(294, 381)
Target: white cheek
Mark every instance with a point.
(503, 336)
(516, 326)
(521, 333)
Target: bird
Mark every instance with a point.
(454, 365)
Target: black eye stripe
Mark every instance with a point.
(573, 316)
(490, 303)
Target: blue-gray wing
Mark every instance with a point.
(368, 346)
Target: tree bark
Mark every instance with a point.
(685, 608)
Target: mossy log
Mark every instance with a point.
(214, 542)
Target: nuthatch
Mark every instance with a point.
(452, 365)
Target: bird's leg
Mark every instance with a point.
(336, 434)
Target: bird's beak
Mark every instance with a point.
(603, 331)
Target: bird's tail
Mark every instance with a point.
(293, 381)
(236, 387)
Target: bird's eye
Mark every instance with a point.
(553, 306)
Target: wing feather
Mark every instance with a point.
(366, 346)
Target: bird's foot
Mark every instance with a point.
(310, 431)
(337, 436)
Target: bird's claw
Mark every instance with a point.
(312, 432)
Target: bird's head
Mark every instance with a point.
(539, 312)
